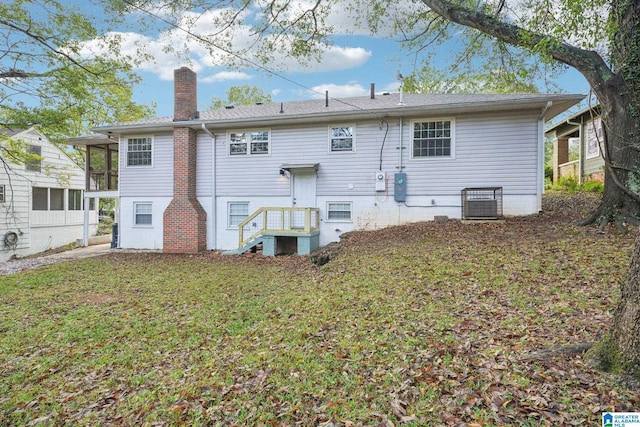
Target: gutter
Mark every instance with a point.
(214, 202)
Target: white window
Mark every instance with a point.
(432, 138)
(238, 212)
(139, 151)
(339, 211)
(2, 197)
(75, 200)
(249, 143)
(34, 164)
(56, 199)
(342, 138)
(39, 199)
(142, 213)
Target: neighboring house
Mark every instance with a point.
(296, 175)
(582, 133)
(41, 202)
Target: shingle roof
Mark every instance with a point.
(382, 105)
(10, 132)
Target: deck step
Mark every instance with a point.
(247, 247)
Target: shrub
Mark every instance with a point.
(568, 183)
(548, 172)
(593, 187)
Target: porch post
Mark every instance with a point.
(85, 228)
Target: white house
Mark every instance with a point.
(305, 172)
(41, 202)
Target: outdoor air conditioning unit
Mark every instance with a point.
(482, 203)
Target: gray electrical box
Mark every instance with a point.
(400, 187)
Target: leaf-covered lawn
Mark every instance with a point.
(427, 324)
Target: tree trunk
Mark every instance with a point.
(618, 91)
(619, 350)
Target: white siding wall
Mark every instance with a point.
(133, 236)
(149, 181)
(41, 230)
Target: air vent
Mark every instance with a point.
(482, 203)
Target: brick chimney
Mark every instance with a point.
(184, 219)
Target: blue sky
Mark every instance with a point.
(347, 68)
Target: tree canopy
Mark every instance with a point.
(241, 95)
(47, 80)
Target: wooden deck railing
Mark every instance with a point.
(283, 221)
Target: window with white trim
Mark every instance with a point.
(238, 212)
(342, 139)
(139, 151)
(251, 143)
(339, 211)
(432, 139)
(56, 199)
(34, 164)
(75, 200)
(143, 213)
(2, 196)
(40, 199)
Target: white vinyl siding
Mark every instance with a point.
(342, 138)
(149, 181)
(143, 214)
(139, 151)
(339, 211)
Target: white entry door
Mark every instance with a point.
(304, 194)
(304, 189)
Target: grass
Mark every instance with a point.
(417, 325)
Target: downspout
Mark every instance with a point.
(214, 202)
(400, 147)
(541, 152)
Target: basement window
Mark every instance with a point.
(238, 212)
(143, 213)
(339, 211)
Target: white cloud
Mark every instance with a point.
(224, 76)
(339, 91)
(333, 58)
(165, 51)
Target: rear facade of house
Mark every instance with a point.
(357, 163)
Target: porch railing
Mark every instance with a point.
(283, 221)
